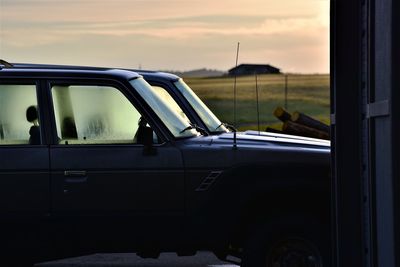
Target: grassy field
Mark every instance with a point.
(306, 93)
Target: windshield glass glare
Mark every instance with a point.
(210, 120)
(164, 95)
(164, 110)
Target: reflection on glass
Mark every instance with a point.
(170, 101)
(210, 120)
(164, 110)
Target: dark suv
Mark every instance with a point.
(97, 160)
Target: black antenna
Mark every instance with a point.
(234, 98)
(258, 110)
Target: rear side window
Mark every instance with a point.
(19, 117)
(91, 114)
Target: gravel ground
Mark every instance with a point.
(201, 259)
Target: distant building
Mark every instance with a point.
(251, 69)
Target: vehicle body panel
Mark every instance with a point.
(24, 181)
(105, 180)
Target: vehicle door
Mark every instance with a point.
(99, 167)
(24, 164)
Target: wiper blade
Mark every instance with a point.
(190, 127)
(197, 128)
(229, 126)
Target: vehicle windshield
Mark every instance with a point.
(211, 121)
(164, 110)
(165, 96)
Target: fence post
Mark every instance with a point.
(286, 90)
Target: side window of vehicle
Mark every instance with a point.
(170, 101)
(19, 117)
(87, 114)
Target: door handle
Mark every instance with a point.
(75, 176)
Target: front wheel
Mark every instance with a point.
(288, 244)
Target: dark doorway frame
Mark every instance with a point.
(365, 121)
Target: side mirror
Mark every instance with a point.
(147, 141)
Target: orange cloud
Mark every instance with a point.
(46, 30)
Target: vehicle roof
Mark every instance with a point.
(53, 69)
(21, 69)
(147, 74)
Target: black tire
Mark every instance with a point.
(288, 242)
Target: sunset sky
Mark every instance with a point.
(168, 35)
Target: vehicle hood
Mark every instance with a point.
(272, 139)
(219, 151)
(287, 138)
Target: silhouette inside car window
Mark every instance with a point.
(68, 129)
(34, 131)
(139, 136)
